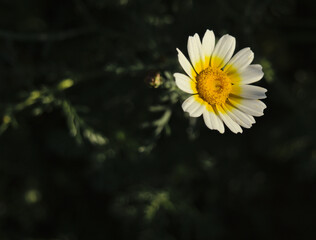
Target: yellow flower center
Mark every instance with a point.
(213, 85)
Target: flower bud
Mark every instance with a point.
(153, 79)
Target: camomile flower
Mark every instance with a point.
(220, 84)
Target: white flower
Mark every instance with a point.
(219, 83)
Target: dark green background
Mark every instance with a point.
(82, 155)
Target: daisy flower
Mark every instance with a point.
(220, 84)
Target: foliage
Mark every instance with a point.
(94, 143)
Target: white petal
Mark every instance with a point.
(213, 121)
(195, 53)
(251, 118)
(187, 103)
(249, 91)
(238, 116)
(208, 43)
(185, 83)
(185, 64)
(241, 60)
(231, 124)
(250, 74)
(251, 107)
(223, 51)
(193, 107)
(198, 111)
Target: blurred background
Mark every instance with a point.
(94, 143)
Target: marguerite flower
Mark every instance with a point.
(220, 84)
